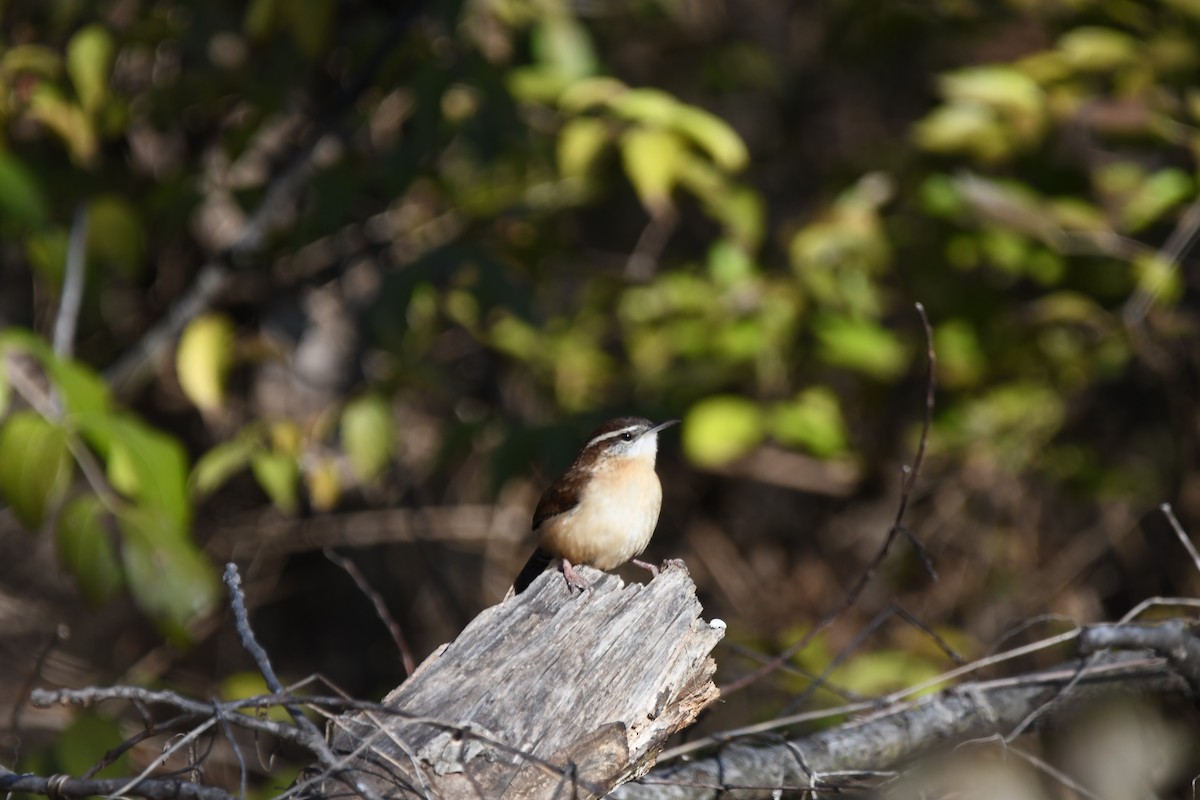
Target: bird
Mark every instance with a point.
(602, 511)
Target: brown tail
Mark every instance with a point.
(533, 567)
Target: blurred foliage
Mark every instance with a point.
(522, 216)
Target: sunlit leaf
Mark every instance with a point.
(368, 436)
(68, 121)
(32, 58)
(244, 685)
(960, 358)
(580, 143)
(860, 345)
(86, 534)
(323, 480)
(560, 42)
(1096, 49)
(89, 59)
(171, 580)
(714, 136)
(224, 461)
(652, 157)
(278, 475)
(963, 129)
(205, 355)
(1155, 196)
(144, 464)
(589, 93)
(812, 420)
(722, 429)
(1158, 278)
(35, 466)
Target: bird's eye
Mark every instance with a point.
(627, 437)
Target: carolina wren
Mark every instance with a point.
(603, 509)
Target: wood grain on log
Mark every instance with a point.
(552, 693)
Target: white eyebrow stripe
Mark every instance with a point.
(606, 436)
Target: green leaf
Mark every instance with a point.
(21, 197)
(1155, 196)
(996, 86)
(278, 474)
(85, 548)
(580, 143)
(860, 345)
(37, 59)
(243, 686)
(652, 157)
(83, 391)
(714, 135)
(68, 121)
(204, 358)
(224, 461)
(89, 60)
(35, 466)
(85, 741)
(368, 436)
(1096, 49)
(559, 42)
(812, 420)
(970, 129)
(171, 580)
(960, 358)
(143, 463)
(722, 429)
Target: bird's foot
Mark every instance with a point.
(574, 579)
(644, 565)
(673, 563)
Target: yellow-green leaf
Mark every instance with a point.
(68, 121)
(243, 686)
(1155, 196)
(204, 358)
(368, 436)
(89, 60)
(85, 541)
(722, 429)
(278, 474)
(224, 461)
(145, 464)
(324, 483)
(812, 420)
(35, 466)
(171, 580)
(714, 135)
(652, 157)
(580, 143)
(860, 345)
(1097, 49)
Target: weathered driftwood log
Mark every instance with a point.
(552, 693)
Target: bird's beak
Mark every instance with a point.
(660, 426)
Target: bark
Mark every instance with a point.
(551, 693)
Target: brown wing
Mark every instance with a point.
(561, 497)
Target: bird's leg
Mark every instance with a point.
(644, 565)
(574, 579)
